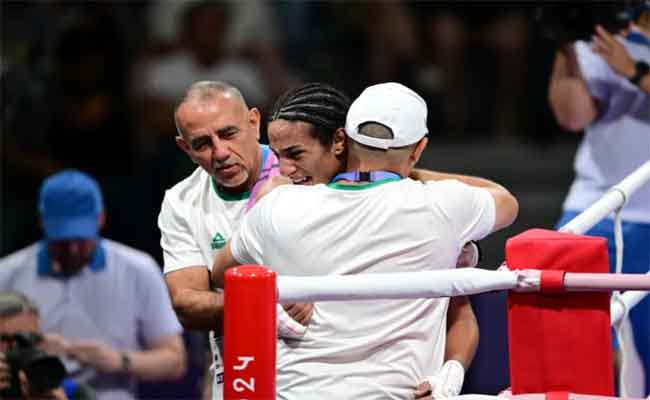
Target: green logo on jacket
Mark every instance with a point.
(217, 241)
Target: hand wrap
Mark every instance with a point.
(288, 327)
(448, 381)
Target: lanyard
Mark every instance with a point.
(365, 176)
(268, 170)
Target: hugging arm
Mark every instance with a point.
(506, 204)
(196, 306)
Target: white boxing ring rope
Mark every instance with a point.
(399, 285)
(441, 283)
(630, 299)
(446, 283)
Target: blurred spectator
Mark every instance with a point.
(472, 68)
(106, 300)
(202, 54)
(505, 37)
(63, 105)
(20, 316)
(392, 41)
(377, 38)
(234, 42)
(71, 100)
(443, 71)
(252, 21)
(251, 34)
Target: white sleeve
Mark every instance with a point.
(469, 210)
(180, 248)
(247, 244)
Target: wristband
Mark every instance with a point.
(288, 328)
(641, 69)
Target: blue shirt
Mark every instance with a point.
(119, 298)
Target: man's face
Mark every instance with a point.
(221, 135)
(302, 157)
(69, 256)
(23, 322)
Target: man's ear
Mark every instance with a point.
(417, 151)
(182, 144)
(254, 119)
(338, 143)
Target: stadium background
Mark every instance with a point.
(73, 96)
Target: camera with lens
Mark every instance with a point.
(44, 372)
(564, 22)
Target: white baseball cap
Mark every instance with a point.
(392, 105)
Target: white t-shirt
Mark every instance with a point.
(618, 141)
(196, 220)
(365, 349)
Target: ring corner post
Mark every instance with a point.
(250, 298)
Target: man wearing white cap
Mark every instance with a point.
(370, 219)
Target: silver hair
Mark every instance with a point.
(203, 91)
(14, 303)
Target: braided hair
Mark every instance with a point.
(318, 104)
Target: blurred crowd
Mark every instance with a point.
(92, 85)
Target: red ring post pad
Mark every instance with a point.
(250, 298)
(559, 341)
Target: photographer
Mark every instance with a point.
(602, 87)
(20, 317)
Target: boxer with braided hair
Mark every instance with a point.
(318, 110)
(321, 105)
